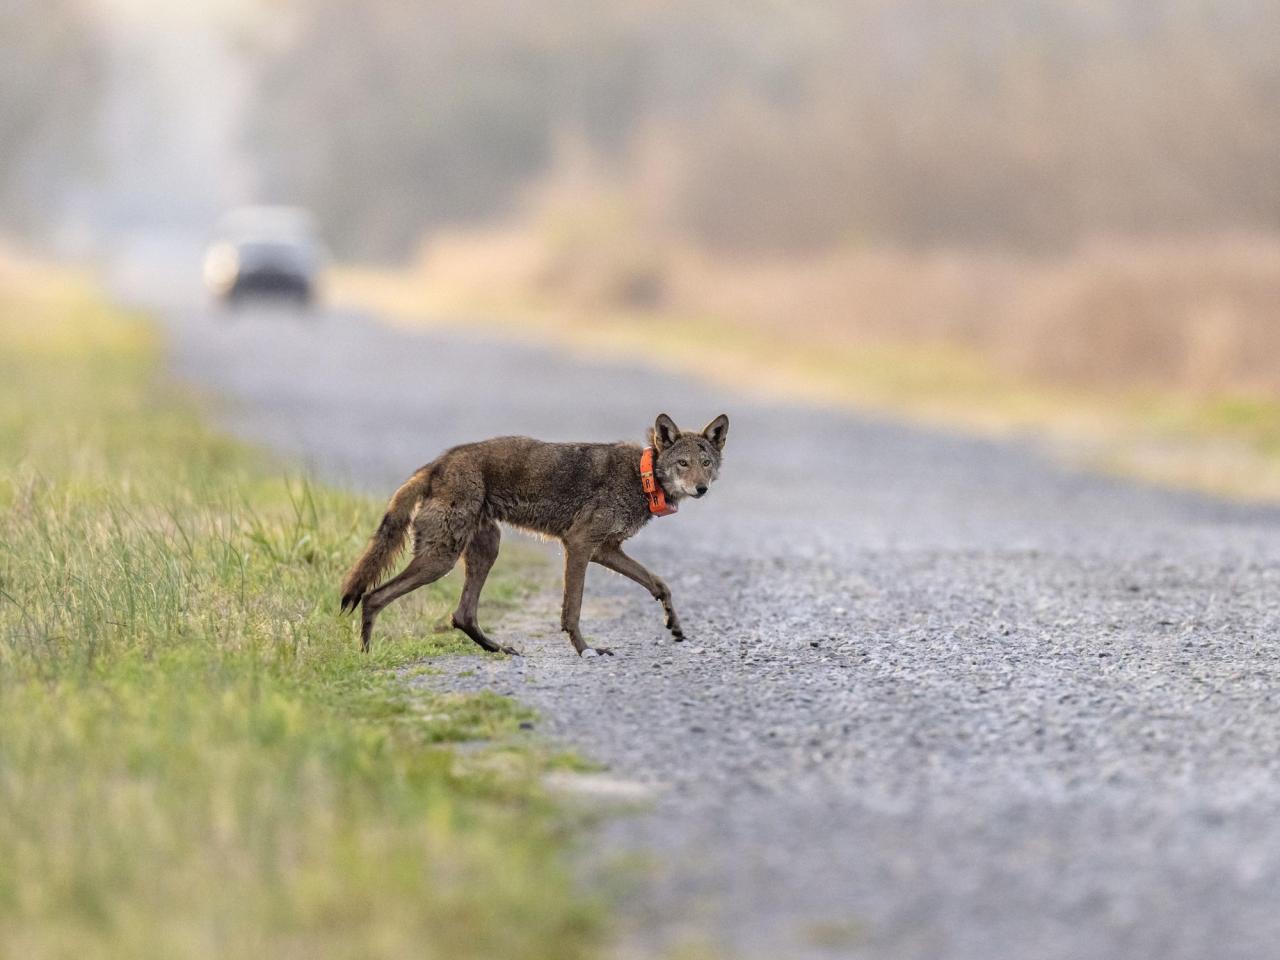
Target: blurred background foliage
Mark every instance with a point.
(50, 73)
(1084, 192)
(746, 126)
(768, 126)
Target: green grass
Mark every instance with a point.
(195, 761)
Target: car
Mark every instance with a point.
(264, 252)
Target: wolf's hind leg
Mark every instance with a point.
(478, 560)
(423, 569)
(611, 557)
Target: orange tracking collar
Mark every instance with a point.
(653, 491)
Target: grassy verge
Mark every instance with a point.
(1226, 444)
(194, 760)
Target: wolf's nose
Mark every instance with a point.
(702, 488)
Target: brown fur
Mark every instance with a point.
(587, 495)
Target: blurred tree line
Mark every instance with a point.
(50, 79)
(766, 126)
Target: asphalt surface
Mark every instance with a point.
(941, 698)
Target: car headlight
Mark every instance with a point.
(221, 264)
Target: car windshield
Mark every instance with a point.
(274, 251)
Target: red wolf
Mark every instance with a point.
(590, 496)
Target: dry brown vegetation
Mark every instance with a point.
(1198, 316)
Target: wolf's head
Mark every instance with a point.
(687, 463)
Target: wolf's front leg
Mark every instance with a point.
(576, 558)
(612, 557)
(673, 622)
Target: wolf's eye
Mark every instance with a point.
(683, 463)
(706, 462)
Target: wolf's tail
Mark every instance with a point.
(387, 540)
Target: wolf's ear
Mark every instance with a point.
(717, 431)
(664, 432)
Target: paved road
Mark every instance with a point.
(942, 699)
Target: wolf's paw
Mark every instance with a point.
(677, 635)
(509, 651)
(596, 652)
